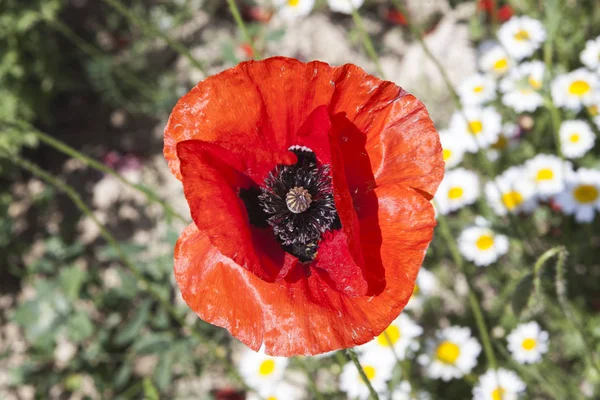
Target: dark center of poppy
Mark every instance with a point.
(297, 202)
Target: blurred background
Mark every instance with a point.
(89, 212)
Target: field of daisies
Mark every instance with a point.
(507, 303)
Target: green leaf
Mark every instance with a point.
(79, 327)
(164, 371)
(150, 392)
(71, 279)
(122, 376)
(153, 343)
(522, 294)
(135, 324)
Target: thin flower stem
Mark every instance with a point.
(419, 36)
(152, 30)
(354, 358)
(366, 41)
(590, 355)
(473, 301)
(494, 14)
(68, 150)
(93, 52)
(235, 11)
(146, 285)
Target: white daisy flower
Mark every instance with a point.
(521, 36)
(522, 87)
(344, 6)
(476, 90)
(481, 245)
(527, 342)
(576, 138)
(452, 148)
(509, 192)
(498, 384)
(547, 173)
(590, 56)
(398, 338)
(495, 61)
(260, 371)
(279, 391)
(452, 355)
(593, 109)
(480, 129)
(290, 10)
(377, 372)
(582, 195)
(425, 287)
(574, 89)
(459, 188)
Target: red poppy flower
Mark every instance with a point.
(309, 188)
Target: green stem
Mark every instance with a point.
(68, 150)
(153, 31)
(473, 301)
(366, 41)
(590, 355)
(555, 117)
(91, 51)
(146, 286)
(354, 358)
(235, 11)
(539, 264)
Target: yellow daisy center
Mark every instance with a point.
(544, 174)
(293, 3)
(447, 352)
(478, 89)
(579, 88)
(534, 83)
(593, 110)
(512, 199)
(585, 193)
(529, 344)
(475, 127)
(574, 138)
(416, 290)
(498, 393)
(455, 192)
(369, 372)
(266, 367)
(271, 398)
(501, 64)
(447, 154)
(484, 242)
(389, 337)
(521, 35)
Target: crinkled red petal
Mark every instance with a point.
(303, 315)
(258, 106)
(212, 177)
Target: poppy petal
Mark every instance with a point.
(401, 141)
(212, 178)
(258, 107)
(252, 109)
(304, 316)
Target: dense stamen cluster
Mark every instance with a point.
(298, 202)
